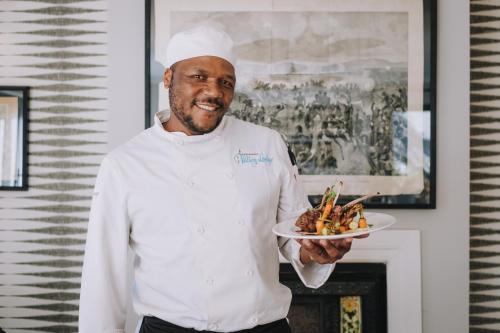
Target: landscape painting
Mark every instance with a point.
(344, 89)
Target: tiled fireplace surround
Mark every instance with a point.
(399, 251)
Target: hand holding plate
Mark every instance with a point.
(323, 251)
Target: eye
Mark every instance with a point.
(198, 76)
(227, 83)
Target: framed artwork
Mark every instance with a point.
(350, 85)
(13, 138)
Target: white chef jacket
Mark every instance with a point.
(197, 211)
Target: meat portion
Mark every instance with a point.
(307, 221)
(348, 213)
(336, 213)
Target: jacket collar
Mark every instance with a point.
(182, 138)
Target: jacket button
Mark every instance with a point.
(241, 221)
(213, 327)
(254, 320)
(210, 281)
(201, 230)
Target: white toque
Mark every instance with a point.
(200, 41)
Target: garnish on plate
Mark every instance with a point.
(331, 219)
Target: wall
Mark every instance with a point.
(58, 48)
(484, 121)
(445, 236)
(444, 231)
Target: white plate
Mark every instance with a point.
(378, 221)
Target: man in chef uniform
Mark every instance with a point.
(196, 197)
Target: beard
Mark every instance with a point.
(187, 120)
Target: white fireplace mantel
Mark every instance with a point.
(400, 251)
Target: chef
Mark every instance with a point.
(195, 198)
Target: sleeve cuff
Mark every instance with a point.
(313, 275)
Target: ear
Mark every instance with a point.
(167, 78)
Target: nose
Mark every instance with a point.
(212, 89)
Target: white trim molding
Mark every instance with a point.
(400, 251)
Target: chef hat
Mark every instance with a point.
(200, 41)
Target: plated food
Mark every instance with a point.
(331, 219)
(377, 221)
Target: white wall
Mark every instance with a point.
(126, 70)
(126, 87)
(445, 231)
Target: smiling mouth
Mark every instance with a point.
(208, 107)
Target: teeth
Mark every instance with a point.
(206, 107)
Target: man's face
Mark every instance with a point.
(200, 90)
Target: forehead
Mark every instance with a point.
(209, 64)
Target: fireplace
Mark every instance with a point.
(353, 300)
(399, 252)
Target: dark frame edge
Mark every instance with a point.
(25, 106)
(147, 64)
(432, 16)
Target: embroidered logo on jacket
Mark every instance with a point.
(252, 159)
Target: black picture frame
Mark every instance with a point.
(19, 95)
(425, 200)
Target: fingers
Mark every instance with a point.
(331, 249)
(316, 252)
(326, 251)
(338, 248)
(343, 244)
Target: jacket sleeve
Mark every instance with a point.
(103, 293)
(292, 203)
